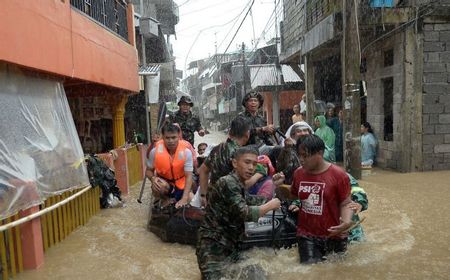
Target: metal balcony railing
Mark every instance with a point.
(110, 13)
(317, 10)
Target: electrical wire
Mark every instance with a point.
(200, 10)
(405, 24)
(204, 29)
(235, 18)
(240, 25)
(234, 24)
(269, 25)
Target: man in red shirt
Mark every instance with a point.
(323, 190)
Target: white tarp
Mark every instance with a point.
(40, 152)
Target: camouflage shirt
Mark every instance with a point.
(256, 122)
(219, 159)
(222, 229)
(189, 124)
(229, 206)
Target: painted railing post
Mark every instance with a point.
(121, 169)
(32, 244)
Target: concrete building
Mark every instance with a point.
(88, 46)
(84, 53)
(155, 26)
(404, 50)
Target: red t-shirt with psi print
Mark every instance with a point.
(320, 196)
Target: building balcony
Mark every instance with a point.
(58, 38)
(112, 14)
(317, 10)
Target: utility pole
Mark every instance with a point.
(244, 87)
(276, 92)
(144, 63)
(351, 89)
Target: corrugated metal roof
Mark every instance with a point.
(152, 69)
(263, 75)
(289, 74)
(266, 75)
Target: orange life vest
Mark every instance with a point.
(170, 168)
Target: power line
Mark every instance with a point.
(240, 25)
(198, 35)
(184, 3)
(199, 10)
(198, 25)
(236, 21)
(269, 25)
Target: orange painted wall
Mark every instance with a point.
(51, 36)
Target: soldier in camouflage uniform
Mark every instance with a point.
(220, 234)
(259, 130)
(188, 122)
(218, 162)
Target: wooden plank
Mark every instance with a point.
(49, 218)
(55, 221)
(11, 249)
(65, 217)
(3, 258)
(44, 230)
(60, 219)
(74, 214)
(18, 245)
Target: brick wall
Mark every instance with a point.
(436, 97)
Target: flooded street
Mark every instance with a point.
(407, 228)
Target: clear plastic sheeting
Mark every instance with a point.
(40, 152)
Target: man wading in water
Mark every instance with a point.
(228, 208)
(323, 190)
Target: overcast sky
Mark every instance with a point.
(196, 16)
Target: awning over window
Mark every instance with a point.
(151, 70)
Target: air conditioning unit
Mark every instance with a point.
(149, 27)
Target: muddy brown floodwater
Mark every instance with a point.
(407, 228)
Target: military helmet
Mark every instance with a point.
(187, 100)
(253, 94)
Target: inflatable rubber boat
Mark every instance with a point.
(275, 229)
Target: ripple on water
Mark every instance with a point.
(385, 239)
